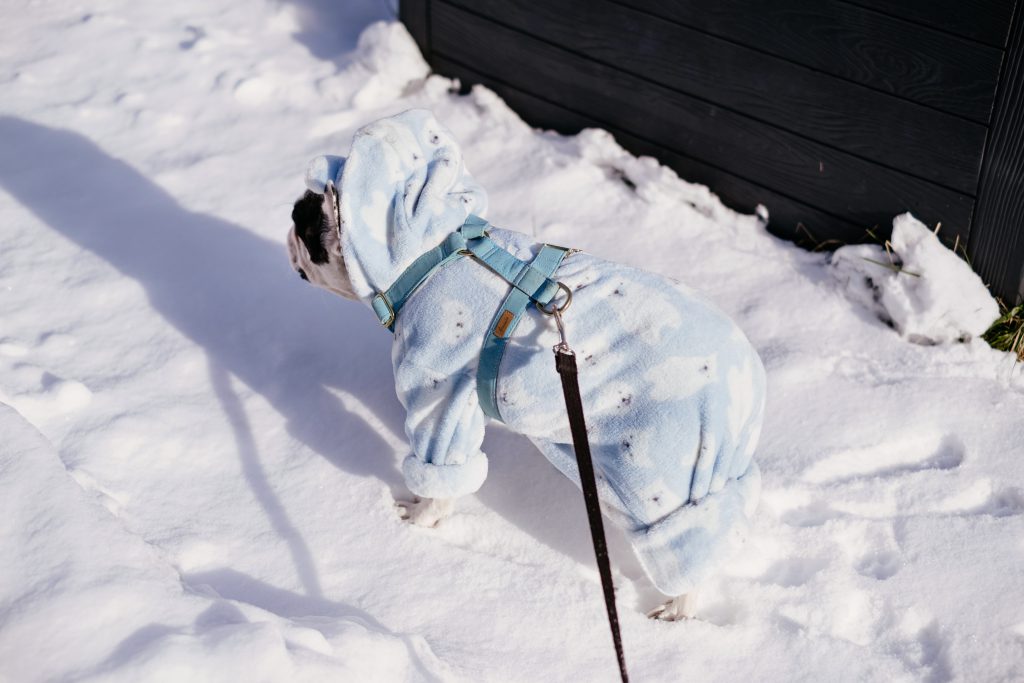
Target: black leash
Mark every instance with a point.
(565, 364)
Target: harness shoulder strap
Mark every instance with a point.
(387, 304)
(470, 238)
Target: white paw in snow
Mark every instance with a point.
(678, 608)
(425, 512)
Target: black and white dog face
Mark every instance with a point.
(314, 245)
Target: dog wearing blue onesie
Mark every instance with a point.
(673, 391)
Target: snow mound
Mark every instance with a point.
(927, 293)
(81, 593)
(392, 61)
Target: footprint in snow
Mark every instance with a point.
(984, 498)
(815, 513)
(40, 395)
(890, 459)
(880, 564)
(924, 650)
(793, 572)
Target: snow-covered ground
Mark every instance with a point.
(200, 454)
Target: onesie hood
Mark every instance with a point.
(402, 189)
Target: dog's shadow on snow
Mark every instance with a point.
(234, 294)
(527, 490)
(231, 292)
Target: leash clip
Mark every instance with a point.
(563, 345)
(556, 311)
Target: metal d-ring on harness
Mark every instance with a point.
(530, 282)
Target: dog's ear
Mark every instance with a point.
(311, 224)
(331, 237)
(321, 171)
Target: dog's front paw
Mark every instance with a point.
(426, 512)
(678, 608)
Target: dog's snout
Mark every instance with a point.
(303, 275)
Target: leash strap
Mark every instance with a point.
(565, 363)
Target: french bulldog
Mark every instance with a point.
(674, 392)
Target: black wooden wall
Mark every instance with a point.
(835, 114)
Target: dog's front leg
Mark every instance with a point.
(445, 425)
(426, 512)
(680, 607)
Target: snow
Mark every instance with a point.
(915, 283)
(201, 453)
(125, 611)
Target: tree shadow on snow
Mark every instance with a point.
(232, 293)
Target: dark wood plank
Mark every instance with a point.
(997, 236)
(882, 52)
(789, 218)
(761, 154)
(987, 21)
(415, 14)
(907, 137)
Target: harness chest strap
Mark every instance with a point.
(504, 323)
(531, 282)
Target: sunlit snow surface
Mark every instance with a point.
(199, 460)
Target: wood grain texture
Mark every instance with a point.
(986, 21)
(790, 218)
(828, 179)
(997, 237)
(882, 52)
(415, 14)
(907, 137)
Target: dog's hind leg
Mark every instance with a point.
(680, 607)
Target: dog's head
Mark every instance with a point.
(400, 191)
(314, 244)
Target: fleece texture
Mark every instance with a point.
(673, 391)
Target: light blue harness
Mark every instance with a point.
(530, 282)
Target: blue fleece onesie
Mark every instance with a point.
(673, 391)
